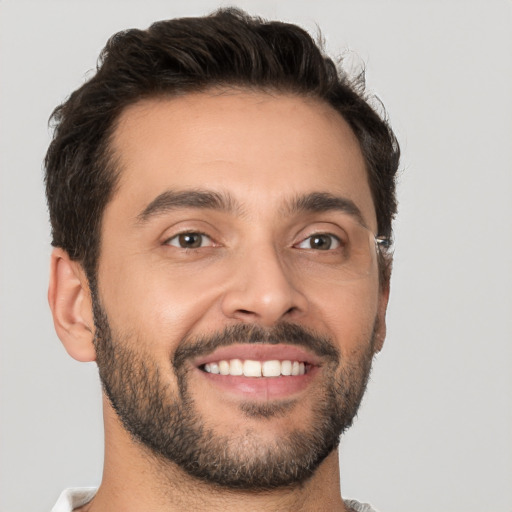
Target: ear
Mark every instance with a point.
(380, 325)
(70, 301)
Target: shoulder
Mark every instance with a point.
(73, 498)
(356, 506)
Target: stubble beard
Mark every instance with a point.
(166, 421)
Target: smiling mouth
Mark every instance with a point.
(257, 369)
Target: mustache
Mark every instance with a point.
(285, 333)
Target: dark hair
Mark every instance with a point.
(225, 49)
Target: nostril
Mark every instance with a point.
(248, 312)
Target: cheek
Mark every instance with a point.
(158, 304)
(348, 312)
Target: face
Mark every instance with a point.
(238, 305)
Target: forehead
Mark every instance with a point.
(261, 148)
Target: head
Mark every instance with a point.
(229, 85)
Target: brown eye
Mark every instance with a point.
(190, 241)
(320, 242)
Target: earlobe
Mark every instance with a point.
(70, 301)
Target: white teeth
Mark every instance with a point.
(271, 369)
(236, 367)
(249, 368)
(286, 367)
(224, 367)
(252, 368)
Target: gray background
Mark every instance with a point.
(435, 429)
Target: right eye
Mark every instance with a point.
(190, 240)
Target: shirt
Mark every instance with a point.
(74, 498)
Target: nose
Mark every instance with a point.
(262, 290)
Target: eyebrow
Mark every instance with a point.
(313, 202)
(196, 198)
(316, 202)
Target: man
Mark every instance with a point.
(221, 199)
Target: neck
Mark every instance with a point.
(134, 480)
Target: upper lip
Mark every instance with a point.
(259, 352)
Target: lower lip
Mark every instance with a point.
(261, 388)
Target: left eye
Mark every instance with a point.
(190, 241)
(320, 242)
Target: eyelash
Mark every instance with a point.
(333, 238)
(188, 233)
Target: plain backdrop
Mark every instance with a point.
(435, 428)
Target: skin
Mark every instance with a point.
(264, 150)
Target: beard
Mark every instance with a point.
(165, 419)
